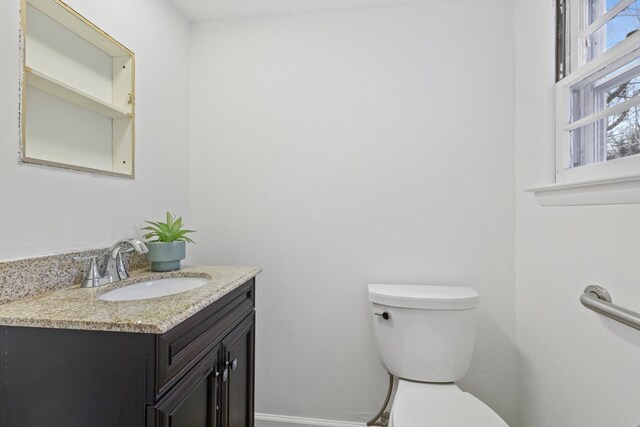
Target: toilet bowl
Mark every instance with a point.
(439, 405)
(426, 336)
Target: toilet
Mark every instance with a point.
(426, 336)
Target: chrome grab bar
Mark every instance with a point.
(597, 298)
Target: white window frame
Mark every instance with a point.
(580, 70)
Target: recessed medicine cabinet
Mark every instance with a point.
(78, 93)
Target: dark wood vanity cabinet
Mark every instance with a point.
(218, 391)
(194, 401)
(198, 374)
(237, 390)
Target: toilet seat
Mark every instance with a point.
(430, 405)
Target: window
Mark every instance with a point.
(598, 89)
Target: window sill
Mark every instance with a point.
(619, 190)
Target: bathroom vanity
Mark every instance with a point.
(69, 359)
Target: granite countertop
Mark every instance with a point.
(77, 308)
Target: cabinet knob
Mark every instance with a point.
(229, 365)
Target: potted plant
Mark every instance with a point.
(166, 242)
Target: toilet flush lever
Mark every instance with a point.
(384, 315)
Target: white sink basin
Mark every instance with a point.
(154, 289)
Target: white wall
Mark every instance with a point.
(576, 368)
(45, 210)
(343, 148)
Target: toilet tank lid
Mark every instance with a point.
(424, 296)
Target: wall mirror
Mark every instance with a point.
(78, 93)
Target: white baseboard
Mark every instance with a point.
(268, 420)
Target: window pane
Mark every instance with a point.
(597, 8)
(612, 138)
(623, 134)
(598, 93)
(614, 31)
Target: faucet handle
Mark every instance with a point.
(134, 244)
(92, 277)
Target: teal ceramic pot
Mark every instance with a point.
(166, 256)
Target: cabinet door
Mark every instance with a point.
(238, 352)
(195, 400)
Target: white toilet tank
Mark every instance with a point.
(427, 333)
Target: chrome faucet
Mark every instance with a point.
(113, 268)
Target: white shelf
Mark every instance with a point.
(65, 56)
(62, 90)
(67, 17)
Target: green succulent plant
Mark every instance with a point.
(170, 231)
